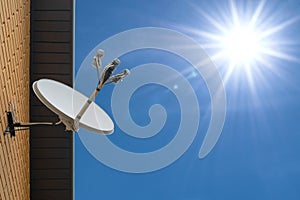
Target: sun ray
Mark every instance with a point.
(209, 35)
(281, 42)
(229, 73)
(235, 16)
(279, 27)
(257, 13)
(217, 56)
(214, 22)
(278, 54)
(250, 77)
(215, 45)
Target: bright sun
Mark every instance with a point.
(245, 38)
(241, 45)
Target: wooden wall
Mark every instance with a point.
(14, 87)
(51, 148)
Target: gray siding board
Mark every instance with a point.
(52, 15)
(54, 174)
(49, 164)
(52, 5)
(58, 47)
(58, 77)
(43, 132)
(54, 194)
(53, 184)
(54, 26)
(56, 37)
(51, 58)
(50, 153)
(51, 143)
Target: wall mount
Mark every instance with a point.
(14, 125)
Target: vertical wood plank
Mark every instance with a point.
(14, 152)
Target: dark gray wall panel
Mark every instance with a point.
(51, 148)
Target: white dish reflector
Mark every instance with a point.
(67, 103)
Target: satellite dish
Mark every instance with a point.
(73, 108)
(67, 103)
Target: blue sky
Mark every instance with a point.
(257, 154)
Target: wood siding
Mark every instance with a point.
(14, 87)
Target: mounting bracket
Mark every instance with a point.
(13, 125)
